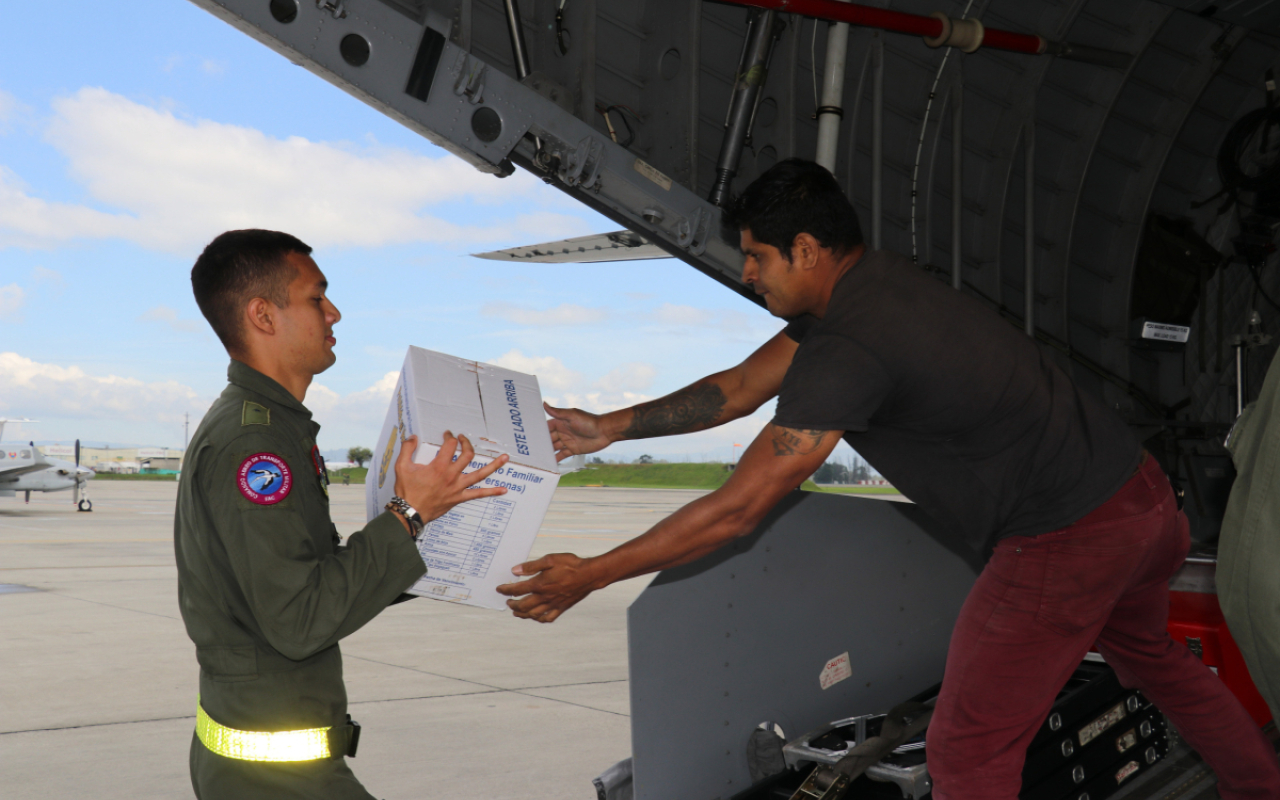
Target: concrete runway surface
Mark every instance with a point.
(98, 678)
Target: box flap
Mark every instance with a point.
(498, 409)
(513, 410)
(445, 397)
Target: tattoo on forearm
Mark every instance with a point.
(689, 409)
(792, 442)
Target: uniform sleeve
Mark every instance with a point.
(832, 384)
(304, 594)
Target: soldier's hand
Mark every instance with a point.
(439, 485)
(559, 582)
(575, 432)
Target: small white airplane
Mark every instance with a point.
(25, 469)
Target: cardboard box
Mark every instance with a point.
(472, 548)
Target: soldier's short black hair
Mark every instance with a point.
(235, 268)
(792, 197)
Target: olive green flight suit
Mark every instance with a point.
(265, 590)
(1249, 545)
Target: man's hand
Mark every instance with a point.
(575, 432)
(559, 581)
(439, 485)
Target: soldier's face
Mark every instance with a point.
(306, 326)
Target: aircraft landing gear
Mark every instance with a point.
(84, 505)
(28, 498)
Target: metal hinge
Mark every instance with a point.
(581, 166)
(470, 80)
(335, 6)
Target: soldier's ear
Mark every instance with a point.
(260, 316)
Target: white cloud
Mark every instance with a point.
(354, 418)
(563, 314)
(211, 67)
(552, 374)
(598, 402)
(48, 276)
(173, 183)
(8, 107)
(31, 387)
(323, 400)
(11, 300)
(634, 377)
(671, 314)
(28, 221)
(732, 324)
(168, 316)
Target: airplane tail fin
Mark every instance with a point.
(4, 420)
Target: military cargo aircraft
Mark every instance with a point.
(25, 469)
(1105, 174)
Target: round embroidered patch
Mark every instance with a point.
(264, 479)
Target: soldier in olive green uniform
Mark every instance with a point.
(265, 588)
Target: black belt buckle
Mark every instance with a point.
(353, 743)
(344, 739)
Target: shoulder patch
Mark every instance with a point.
(254, 414)
(322, 470)
(264, 478)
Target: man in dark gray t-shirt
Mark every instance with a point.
(957, 408)
(966, 416)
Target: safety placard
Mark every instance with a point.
(836, 670)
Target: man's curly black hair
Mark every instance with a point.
(792, 197)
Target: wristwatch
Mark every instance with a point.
(416, 523)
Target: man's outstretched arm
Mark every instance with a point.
(712, 401)
(779, 460)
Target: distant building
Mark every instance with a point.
(128, 460)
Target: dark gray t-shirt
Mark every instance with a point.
(954, 406)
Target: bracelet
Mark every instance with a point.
(411, 515)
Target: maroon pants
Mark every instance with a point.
(1039, 605)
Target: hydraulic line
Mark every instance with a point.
(519, 48)
(753, 69)
(924, 127)
(939, 30)
(968, 35)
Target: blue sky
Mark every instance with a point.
(131, 134)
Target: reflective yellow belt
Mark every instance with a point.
(303, 745)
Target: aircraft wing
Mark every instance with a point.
(599, 247)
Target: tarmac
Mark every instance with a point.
(98, 677)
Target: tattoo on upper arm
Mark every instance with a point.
(793, 442)
(689, 409)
